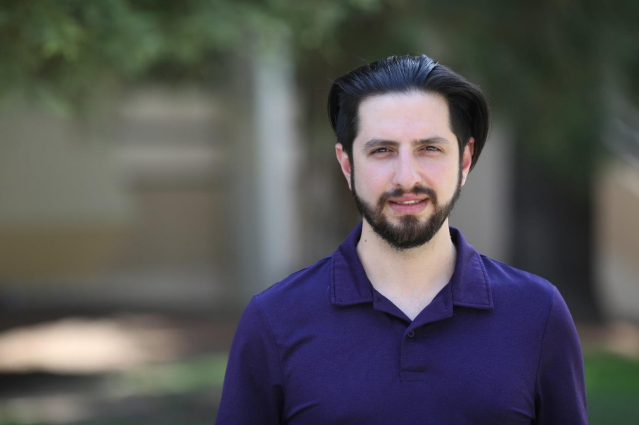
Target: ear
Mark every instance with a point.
(344, 162)
(467, 159)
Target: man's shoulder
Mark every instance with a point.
(300, 287)
(510, 281)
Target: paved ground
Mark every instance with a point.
(120, 369)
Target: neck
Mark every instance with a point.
(418, 273)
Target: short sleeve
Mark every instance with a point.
(252, 391)
(560, 390)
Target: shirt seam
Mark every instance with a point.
(543, 339)
(483, 272)
(332, 278)
(530, 275)
(272, 333)
(467, 304)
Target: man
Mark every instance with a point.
(406, 323)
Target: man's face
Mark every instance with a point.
(407, 170)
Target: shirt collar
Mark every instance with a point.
(350, 285)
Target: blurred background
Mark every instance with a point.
(162, 161)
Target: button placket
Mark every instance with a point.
(412, 355)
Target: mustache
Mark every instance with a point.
(417, 190)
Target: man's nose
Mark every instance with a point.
(407, 172)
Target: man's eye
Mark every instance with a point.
(432, 149)
(380, 150)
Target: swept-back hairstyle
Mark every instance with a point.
(468, 107)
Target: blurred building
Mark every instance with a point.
(191, 199)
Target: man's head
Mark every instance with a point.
(413, 130)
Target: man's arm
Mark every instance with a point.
(252, 392)
(560, 394)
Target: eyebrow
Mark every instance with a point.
(375, 143)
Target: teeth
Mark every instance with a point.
(409, 202)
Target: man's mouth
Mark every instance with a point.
(408, 206)
(415, 201)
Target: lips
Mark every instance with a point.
(411, 202)
(407, 199)
(410, 205)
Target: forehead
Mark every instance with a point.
(404, 116)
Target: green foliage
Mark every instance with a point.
(178, 378)
(63, 51)
(545, 64)
(613, 389)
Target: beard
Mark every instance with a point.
(410, 232)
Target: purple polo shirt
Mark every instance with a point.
(496, 346)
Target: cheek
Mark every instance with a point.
(442, 172)
(372, 180)
(443, 166)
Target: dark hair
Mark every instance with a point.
(468, 107)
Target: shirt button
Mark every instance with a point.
(411, 334)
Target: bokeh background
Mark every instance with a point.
(161, 161)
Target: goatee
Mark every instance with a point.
(410, 232)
